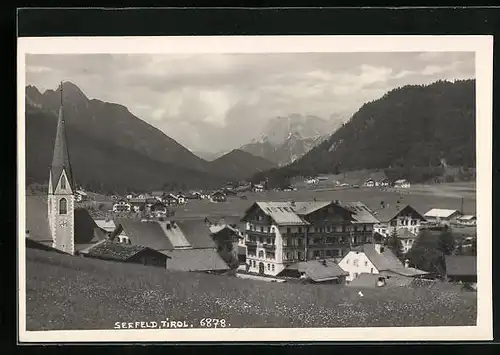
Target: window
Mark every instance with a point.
(63, 182)
(329, 240)
(300, 229)
(288, 231)
(261, 229)
(316, 229)
(321, 253)
(272, 266)
(347, 261)
(355, 228)
(261, 254)
(300, 256)
(270, 255)
(63, 206)
(253, 263)
(316, 253)
(343, 228)
(394, 223)
(299, 241)
(371, 271)
(268, 267)
(355, 262)
(366, 263)
(328, 253)
(289, 255)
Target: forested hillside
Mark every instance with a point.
(411, 127)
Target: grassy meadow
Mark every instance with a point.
(71, 293)
(421, 197)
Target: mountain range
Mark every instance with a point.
(411, 127)
(113, 150)
(286, 139)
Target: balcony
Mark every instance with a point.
(260, 234)
(269, 247)
(294, 247)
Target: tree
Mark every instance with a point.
(425, 253)
(393, 243)
(446, 242)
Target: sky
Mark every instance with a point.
(218, 102)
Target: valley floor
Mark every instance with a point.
(65, 292)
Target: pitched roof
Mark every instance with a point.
(467, 217)
(281, 212)
(60, 158)
(157, 193)
(196, 260)
(361, 213)
(377, 176)
(382, 261)
(440, 213)
(107, 225)
(116, 251)
(149, 234)
(388, 212)
(461, 265)
(308, 207)
(408, 271)
(318, 271)
(197, 233)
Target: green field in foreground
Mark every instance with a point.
(421, 197)
(65, 292)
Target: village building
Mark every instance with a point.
(80, 196)
(376, 259)
(316, 271)
(121, 206)
(376, 179)
(188, 243)
(397, 216)
(218, 196)
(467, 220)
(170, 200)
(442, 216)
(120, 252)
(406, 238)
(282, 233)
(137, 204)
(461, 268)
(158, 195)
(402, 184)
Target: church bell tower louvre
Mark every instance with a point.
(61, 199)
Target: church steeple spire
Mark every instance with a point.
(60, 159)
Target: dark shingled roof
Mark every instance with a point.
(147, 234)
(361, 213)
(391, 211)
(317, 271)
(461, 265)
(197, 233)
(60, 159)
(116, 251)
(196, 260)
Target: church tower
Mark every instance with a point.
(61, 197)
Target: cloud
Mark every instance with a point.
(215, 102)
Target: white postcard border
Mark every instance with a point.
(481, 45)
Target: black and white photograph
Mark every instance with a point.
(255, 188)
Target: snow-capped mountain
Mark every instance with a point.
(285, 139)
